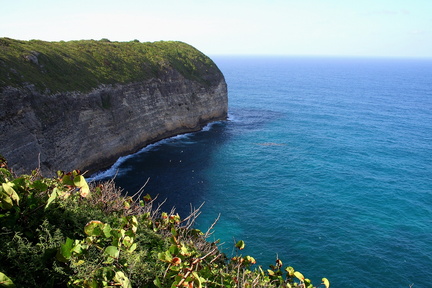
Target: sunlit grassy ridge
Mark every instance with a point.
(85, 64)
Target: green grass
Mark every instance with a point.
(86, 64)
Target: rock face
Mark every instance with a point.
(90, 130)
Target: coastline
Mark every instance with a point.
(54, 124)
(110, 171)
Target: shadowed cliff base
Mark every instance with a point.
(83, 104)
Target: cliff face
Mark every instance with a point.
(90, 130)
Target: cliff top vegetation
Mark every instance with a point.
(63, 232)
(83, 65)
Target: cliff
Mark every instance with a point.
(83, 104)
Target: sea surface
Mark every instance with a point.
(325, 163)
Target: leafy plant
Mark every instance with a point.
(109, 246)
(63, 232)
(5, 281)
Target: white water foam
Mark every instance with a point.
(114, 169)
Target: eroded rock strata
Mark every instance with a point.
(90, 130)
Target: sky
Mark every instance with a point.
(369, 28)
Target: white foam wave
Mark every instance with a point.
(232, 117)
(114, 169)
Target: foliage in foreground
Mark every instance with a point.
(61, 232)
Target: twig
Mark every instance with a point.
(193, 263)
(209, 230)
(141, 190)
(190, 220)
(155, 212)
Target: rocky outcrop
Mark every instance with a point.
(90, 130)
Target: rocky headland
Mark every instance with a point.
(83, 104)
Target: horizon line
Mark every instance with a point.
(269, 55)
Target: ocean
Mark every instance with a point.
(325, 163)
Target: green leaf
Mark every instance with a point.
(132, 248)
(177, 280)
(174, 232)
(290, 271)
(174, 249)
(5, 201)
(326, 282)
(240, 245)
(94, 228)
(122, 279)
(185, 251)
(299, 276)
(157, 282)
(21, 182)
(6, 281)
(65, 251)
(196, 232)
(7, 174)
(40, 186)
(127, 241)
(107, 230)
(134, 223)
(80, 182)
(198, 279)
(66, 180)
(165, 256)
(53, 196)
(250, 259)
(270, 272)
(112, 252)
(8, 188)
(77, 248)
(116, 237)
(107, 274)
(147, 198)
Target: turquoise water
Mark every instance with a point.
(324, 162)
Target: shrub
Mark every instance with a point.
(62, 232)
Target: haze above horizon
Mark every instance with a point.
(368, 28)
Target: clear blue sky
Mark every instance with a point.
(395, 28)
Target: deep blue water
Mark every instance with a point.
(324, 162)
